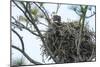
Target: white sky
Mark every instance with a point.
(32, 43)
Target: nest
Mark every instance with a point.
(62, 40)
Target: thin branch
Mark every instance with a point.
(58, 6)
(32, 19)
(47, 17)
(22, 10)
(26, 55)
(33, 22)
(42, 39)
(77, 13)
(92, 55)
(43, 8)
(21, 40)
(22, 26)
(45, 11)
(14, 19)
(17, 5)
(42, 23)
(91, 15)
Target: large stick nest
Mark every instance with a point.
(62, 39)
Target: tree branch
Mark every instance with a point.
(76, 11)
(32, 19)
(33, 22)
(92, 55)
(22, 26)
(58, 6)
(22, 10)
(46, 14)
(91, 15)
(81, 31)
(42, 39)
(21, 40)
(42, 23)
(17, 5)
(26, 55)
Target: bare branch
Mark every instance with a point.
(82, 11)
(17, 5)
(35, 26)
(44, 12)
(75, 9)
(42, 23)
(21, 40)
(77, 13)
(42, 39)
(22, 26)
(58, 6)
(91, 15)
(26, 55)
(22, 10)
(33, 22)
(92, 55)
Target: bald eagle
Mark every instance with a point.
(56, 18)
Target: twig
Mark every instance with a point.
(21, 40)
(26, 55)
(46, 14)
(31, 19)
(42, 23)
(51, 54)
(58, 6)
(92, 55)
(22, 10)
(22, 26)
(91, 15)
